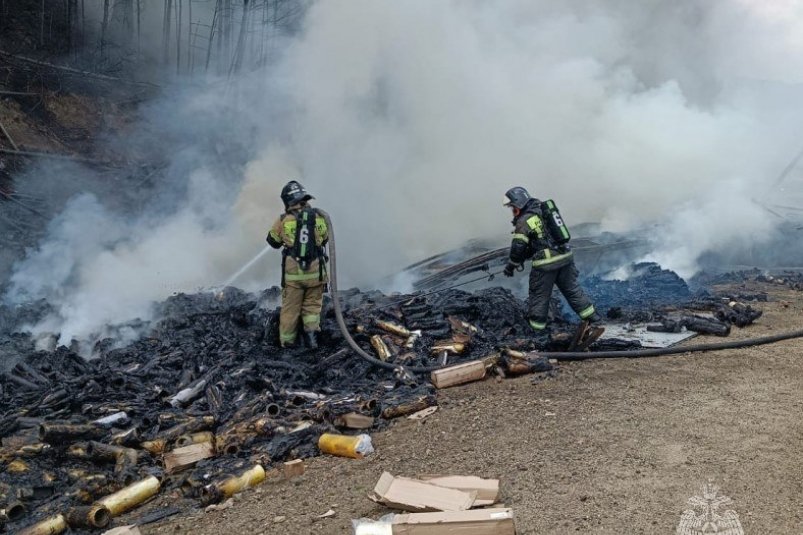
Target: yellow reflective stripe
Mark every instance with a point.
(553, 259)
(311, 318)
(289, 226)
(537, 325)
(275, 236)
(321, 230)
(301, 276)
(536, 225)
(287, 337)
(522, 237)
(586, 312)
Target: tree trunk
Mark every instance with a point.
(42, 25)
(104, 27)
(167, 21)
(237, 63)
(215, 23)
(190, 52)
(179, 6)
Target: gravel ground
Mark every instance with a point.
(616, 446)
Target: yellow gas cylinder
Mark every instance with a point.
(355, 447)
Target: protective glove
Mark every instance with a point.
(510, 269)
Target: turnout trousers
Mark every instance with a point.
(300, 299)
(542, 281)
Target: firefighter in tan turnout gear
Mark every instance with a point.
(540, 234)
(302, 233)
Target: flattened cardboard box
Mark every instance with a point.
(487, 489)
(475, 522)
(418, 496)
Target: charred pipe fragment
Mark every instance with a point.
(12, 511)
(22, 382)
(403, 407)
(131, 496)
(32, 373)
(25, 422)
(77, 451)
(200, 423)
(155, 447)
(516, 363)
(381, 348)
(50, 526)
(214, 399)
(393, 328)
(88, 487)
(738, 314)
(35, 493)
(448, 346)
(217, 492)
(117, 419)
(60, 433)
(17, 466)
(88, 517)
(129, 437)
(123, 458)
(706, 325)
(195, 438)
(188, 394)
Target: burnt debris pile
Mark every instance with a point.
(207, 394)
(203, 402)
(648, 287)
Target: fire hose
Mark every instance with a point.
(341, 322)
(560, 356)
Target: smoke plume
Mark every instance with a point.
(409, 120)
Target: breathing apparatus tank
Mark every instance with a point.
(554, 222)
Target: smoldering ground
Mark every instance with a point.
(409, 120)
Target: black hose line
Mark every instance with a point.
(560, 356)
(675, 350)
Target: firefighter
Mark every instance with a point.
(302, 234)
(546, 243)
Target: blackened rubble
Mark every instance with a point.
(212, 365)
(648, 287)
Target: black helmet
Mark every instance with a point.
(517, 197)
(294, 193)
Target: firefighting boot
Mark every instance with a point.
(311, 339)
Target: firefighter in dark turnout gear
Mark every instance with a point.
(545, 242)
(302, 233)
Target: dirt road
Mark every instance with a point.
(613, 447)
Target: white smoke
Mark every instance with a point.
(409, 120)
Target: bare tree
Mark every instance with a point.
(104, 27)
(178, 36)
(237, 62)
